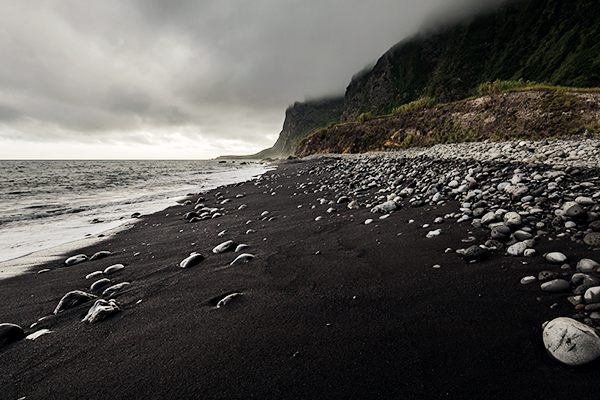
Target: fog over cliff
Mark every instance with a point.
(183, 79)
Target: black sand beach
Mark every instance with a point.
(330, 309)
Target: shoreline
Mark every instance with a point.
(329, 307)
(23, 264)
(19, 261)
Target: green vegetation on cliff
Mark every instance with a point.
(507, 115)
(551, 41)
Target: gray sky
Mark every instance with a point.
(181, 78)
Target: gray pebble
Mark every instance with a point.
(111, 290)
(94, 274)
(99, 284)
(556, 286)
(73, 299)
(241, 247)
(592, 295)
(592, 239)
(79, 258)
(101, 310)
(527, 279)
(224, 247)
(587, 266)
(501, 233)
(475, 253)
(99, 255)
(522, 235)
(10, 333)
(191, 261)
(242, 258)
(545, 276)
(517, 249)
(555, 257)
(113, 268)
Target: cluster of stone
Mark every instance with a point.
(519, 192)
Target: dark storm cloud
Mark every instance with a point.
(216, 69)
(457, 10)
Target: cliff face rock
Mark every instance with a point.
(301, 119)
(399, 76)
(527, 115)
(551, 41)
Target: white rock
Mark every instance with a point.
(555, 258)
(502, 186)
(529, 253)
(528, 279)
(100, 284)
(489, 218)
(512, 219)
(113, 268)
(227, 299)
(572, 209)
(585, 201)
(100, 310)
(586, 266)
(114, 289)
(242, 258)
(35, 335)
(353, 205)
(571, 342)
(434, 233)
(592, 295)
(75, 259)
(93, 274)
(462, 189)
(517, 249)
(224, 247)
(191, 261)
(241, 247)
(385, 208)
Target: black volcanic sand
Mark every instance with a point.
(367, 317)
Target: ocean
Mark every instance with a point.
(48, 203)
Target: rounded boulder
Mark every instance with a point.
(79, 258)
(10, 333)
(587, 266)
(555, 258)
(571, 342)
(592, 295)
(556, 286)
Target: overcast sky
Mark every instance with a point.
(181, 79)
